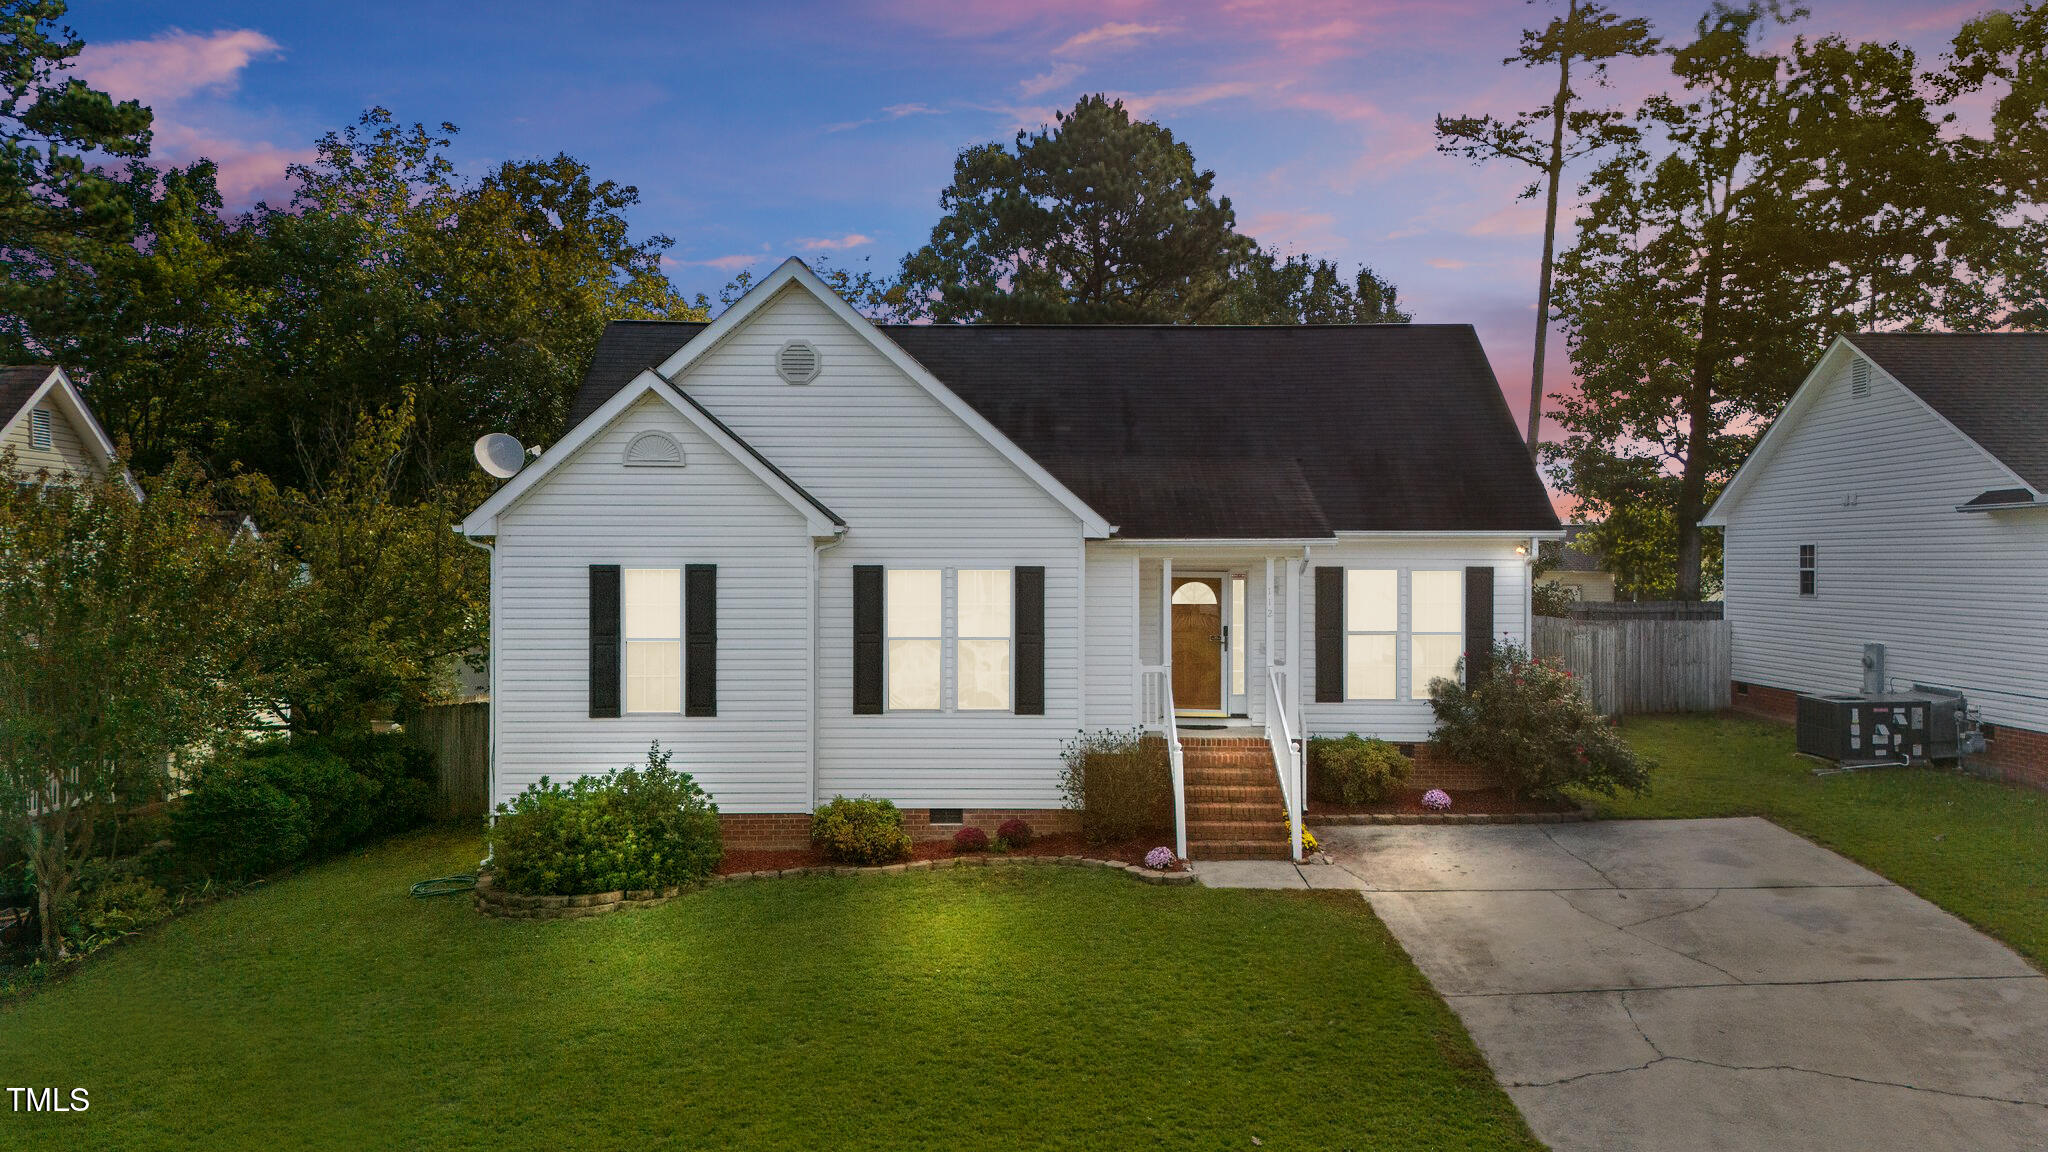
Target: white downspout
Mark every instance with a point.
(818, 548)
(490, 654)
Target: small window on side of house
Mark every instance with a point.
(1809, 570)
(653, 620)
(40, 432)
(914, 606)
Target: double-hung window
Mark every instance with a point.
(982, 627)
(653, 620)
(914, 610)
(1372, 622)
(1436, 628)
(1809, 570)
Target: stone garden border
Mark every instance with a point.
(491, 901)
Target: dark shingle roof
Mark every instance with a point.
(18, 382)
(1991, 385)
(1223, 432)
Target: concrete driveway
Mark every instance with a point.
(1711, 984)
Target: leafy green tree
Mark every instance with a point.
(130, 631)
(1788, 197)
(2010, 49)
(389, 597)
(1099, 219)
(1268, 288)
(1586, 34)
(57, 207)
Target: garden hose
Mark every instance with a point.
(444, 885)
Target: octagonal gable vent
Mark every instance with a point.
(654, 450)
(797, 362)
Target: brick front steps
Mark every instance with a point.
(491, 901)
(1234, 807)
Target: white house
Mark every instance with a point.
(818, 557)
(1900, 500)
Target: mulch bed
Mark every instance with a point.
(739, 860)
(1486, 801)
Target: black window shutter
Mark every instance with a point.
(1329, 635)
(604, 639)
(700, 640)
(1029, 646)
(1478, 624)
(867, 639)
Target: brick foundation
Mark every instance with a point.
(2020, 755)
(1436, 771)
(784, 831)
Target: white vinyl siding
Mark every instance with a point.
(593, 509)
(1407, 717)
(1112, 638)
(918, 489)
(652, 601)
(915, 653)
(1872, 483)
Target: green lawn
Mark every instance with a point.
(1976, 848)
(967, 1009)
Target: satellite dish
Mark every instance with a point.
(500, 455)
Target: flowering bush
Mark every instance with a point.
(1159, 859)
(970, 839)
(1014, 833)
(1309, 844)
(1530, 722)
(1436, 800)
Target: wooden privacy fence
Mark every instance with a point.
(460, 735)
(1634, 666)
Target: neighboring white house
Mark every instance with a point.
(817, 557)
(1900, 500)
(47, 425)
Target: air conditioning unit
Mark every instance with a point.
(1887, 729)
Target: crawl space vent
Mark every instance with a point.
(797, 363)
(1859, 377)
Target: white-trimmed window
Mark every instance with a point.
(982, 627)
(40, 432)
(1436, 628)
(914, 606)
(1372, 622)
(653, 610)
(1809, 570)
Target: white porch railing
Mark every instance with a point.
(1287, 754)
(1156, 702)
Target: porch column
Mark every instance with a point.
(1166, 624)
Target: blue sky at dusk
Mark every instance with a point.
(757, 131)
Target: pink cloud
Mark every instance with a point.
(174, 64)
(1293, 230)
(1062, 74)
(1111, 35)
(732, 263)
(834, 243)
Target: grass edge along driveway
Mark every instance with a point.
(1977, 848)
(971, 1008)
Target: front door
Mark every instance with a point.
(1198, 644)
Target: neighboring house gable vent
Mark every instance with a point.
(797, 363)
(1859, 377)
(39, 434)
(654, 450)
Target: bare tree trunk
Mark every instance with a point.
(46, 857)
(1555, 171)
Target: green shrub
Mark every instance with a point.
(1552, 599)
(1530, 722)
(111, 902)
(1353, 770)
(860, 831)
(634, 828)
(1121, 783)
(403, 769)
(238, 823)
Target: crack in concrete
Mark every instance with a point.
(1668, 915)
(1622, 999)
(1652, 943)
(1770, 1068)
(1552, 837)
